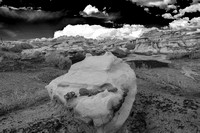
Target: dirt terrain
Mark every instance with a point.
(167, 101)
(167, 67)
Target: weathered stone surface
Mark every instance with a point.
(144, 61)
(110, 89)
(166, 41)
(136, 57)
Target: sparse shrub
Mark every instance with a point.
(56, 59)
(189, 55)
(19, 47)
(26, 46)
(173, 56)
(5, 49)
(76, 56)
(48, 76)
(16, 49)
(130, 46)
(195, 55)
(10, 56)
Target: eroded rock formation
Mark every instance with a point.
(173, 44)
(99, 88)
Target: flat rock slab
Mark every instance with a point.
(136, 57)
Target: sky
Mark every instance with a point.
(24, 19)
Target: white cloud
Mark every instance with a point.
(185, 23)
(159, 3)
(134, 0)
(195, 21)
(192, 8)
(90, 9)
(146, 9)
(178, 15)
(189, 9)
(175, 11)
(180, 23)
(171, 7)
(167, 16)
(99, 32)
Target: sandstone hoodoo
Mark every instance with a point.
(100, 89)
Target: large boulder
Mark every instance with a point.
(100, 89)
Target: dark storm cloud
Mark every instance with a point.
(7, 32)
(118, 11)
(28, 15)
(1, 25)
(196, 1)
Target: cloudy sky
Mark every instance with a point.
(22, 19)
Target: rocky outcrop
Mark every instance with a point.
(174, 44)
(100, 89)
(166, 42)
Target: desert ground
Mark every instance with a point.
(167, 67)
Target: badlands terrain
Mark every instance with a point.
(167, 67)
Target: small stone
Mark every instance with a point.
(84, 92)
(112, 90)
(119, 53)
(130, 46)
(70, 95)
